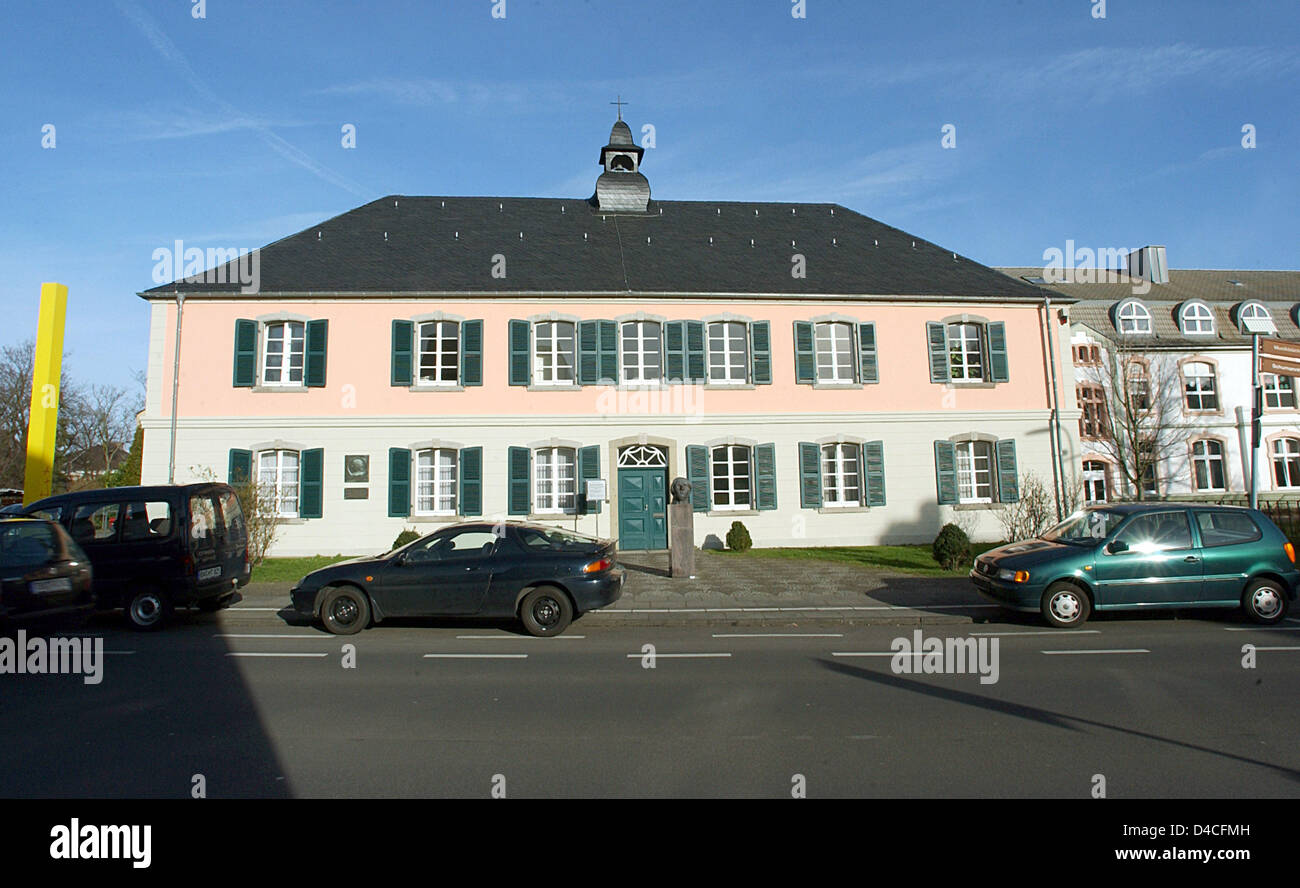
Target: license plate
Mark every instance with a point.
(45, 587)
(209, 573)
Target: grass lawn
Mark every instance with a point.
(291, 570)
(904, 559)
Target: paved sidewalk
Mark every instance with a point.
(731, 588)
(736, 590)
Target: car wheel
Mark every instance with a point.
(546, 611)
(1264, 602)
(345, 610)
(1065, 605)
(148, 610)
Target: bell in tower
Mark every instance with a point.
(621, 188)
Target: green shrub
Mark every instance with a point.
(951, 547)
(738, 537)
(408, 535)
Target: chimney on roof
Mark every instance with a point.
(1149, 264)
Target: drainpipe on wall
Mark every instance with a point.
(1054, 432)
(176, 371)
(1244, 440)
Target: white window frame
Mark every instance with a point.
(840, 355)
(547, 366)
(637, 370)
(1092, 476)
(1134, 314)
(969, 457)
(1274, 391)
(1198, 320)
(1201, 392)
(284, 490)
(294, 333)
(966, 351)
(727, 354)
(737, 457)
(550, 476)
(1204, 458)
(841, 468)
(1252, 310)
(441, 360)
(1289, 452)
(436, 494)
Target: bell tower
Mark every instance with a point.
(621, 188)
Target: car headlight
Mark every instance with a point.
(1014, 576)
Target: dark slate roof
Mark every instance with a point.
(1279, 291)
(430, 245)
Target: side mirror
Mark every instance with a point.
(1114, 547)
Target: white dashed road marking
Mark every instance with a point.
(1038, 632)
(475, 656)
(1099, 651)
(249, 654)
(778, 635)
(659, 656)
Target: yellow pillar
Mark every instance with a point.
(44, 422)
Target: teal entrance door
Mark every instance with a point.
(642, 508)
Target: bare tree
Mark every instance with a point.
(16, 365)
(101, 421)
(1135, 412)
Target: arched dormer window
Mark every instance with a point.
(1251, 311)
(1132, 318)
(1196, 319)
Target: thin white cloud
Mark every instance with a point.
(163, 45)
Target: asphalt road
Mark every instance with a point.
(1160, 706)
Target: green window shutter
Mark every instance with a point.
(1008, 477)
(805, 358)
(873, 472)
(314, 359)
(403, 346)
(608, 352)
(997, 335)
(588, 352)
(695, 367)
(760, 353)
(945, 472)
(588, 470)
(471, 353)
(399, 482)
(311, 469)
(521, 358)
(469, 481)
(240, 470)
(937, 336)
(697, 473)
(765, 475)
(868, 365)
(519, 497)
(245, 353)
(810, 475)
(675, 351)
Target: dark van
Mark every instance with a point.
(156, 548)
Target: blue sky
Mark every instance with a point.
(225, 131)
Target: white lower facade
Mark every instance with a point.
(355, 516)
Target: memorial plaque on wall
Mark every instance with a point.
(356, 469)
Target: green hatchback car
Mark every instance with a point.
(1145, 556)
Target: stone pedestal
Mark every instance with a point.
(681, 540)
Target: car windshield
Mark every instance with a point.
(553, 538)
(1085, 527)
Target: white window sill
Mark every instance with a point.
(415, 518)
(728, 386)
(280, 388)
(435, 387)
(977, 507)
(842, 510)
(837, 385)
(724, 512)
(558, 387)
